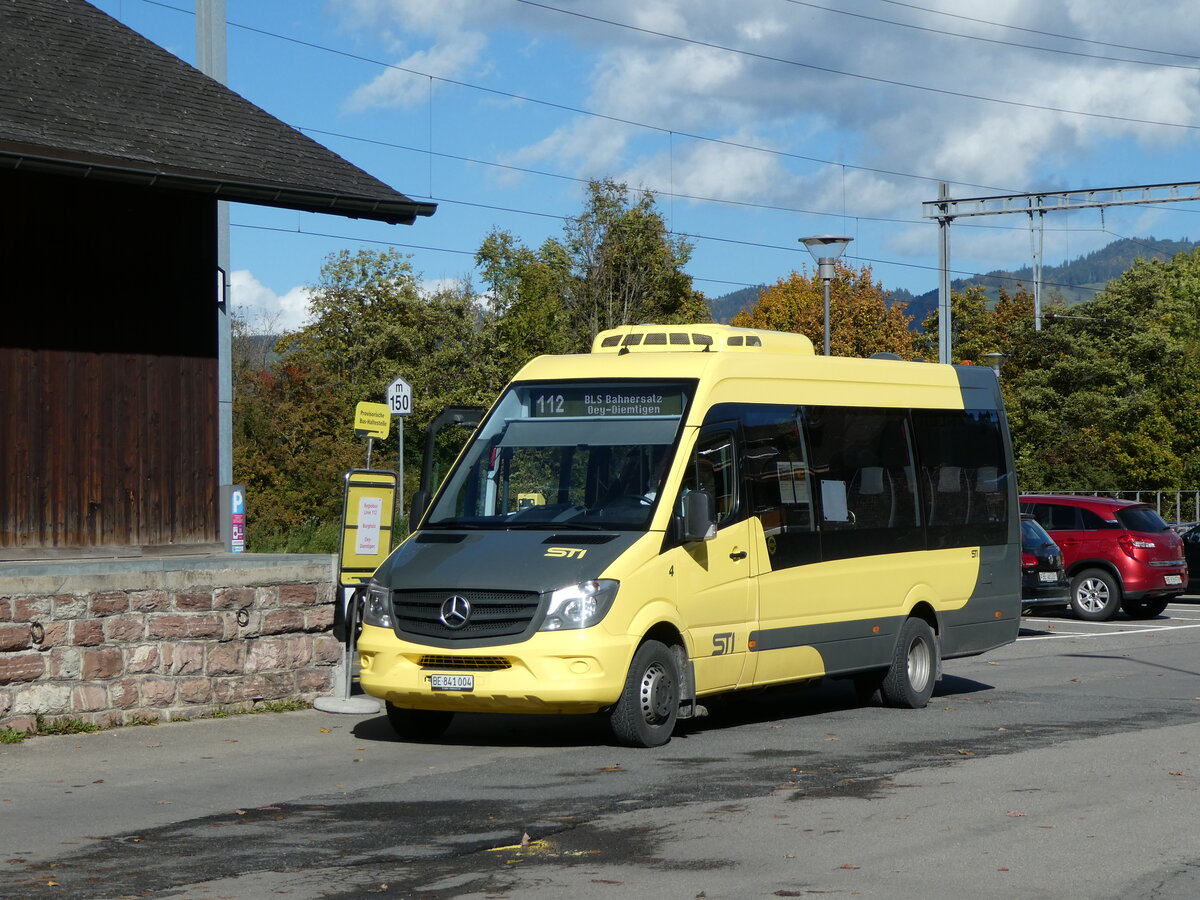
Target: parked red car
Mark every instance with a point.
(1119, 554)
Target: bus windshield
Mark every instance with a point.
(588, 455)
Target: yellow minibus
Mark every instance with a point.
(691, 510)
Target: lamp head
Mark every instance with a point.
(995, 361)
(826, 246)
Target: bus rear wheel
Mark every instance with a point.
(910, 680)
(645, 715)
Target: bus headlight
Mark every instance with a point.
(377, 609)
(580, 605)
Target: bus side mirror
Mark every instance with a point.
(416, 509)
(699, 517)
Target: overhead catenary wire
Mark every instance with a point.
(828, 70)
(986, 40)
(661, 129)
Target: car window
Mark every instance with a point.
(1095, 522)
(1141, 518)
(1033, 534)
(1058, 518)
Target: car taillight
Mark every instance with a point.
(1028, 561)
(1128, 543)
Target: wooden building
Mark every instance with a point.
(113, 155)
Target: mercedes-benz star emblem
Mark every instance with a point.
(455, 612)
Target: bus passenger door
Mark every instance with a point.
(714, 578)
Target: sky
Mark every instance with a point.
(755, 123)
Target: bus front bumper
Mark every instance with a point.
(580, 671)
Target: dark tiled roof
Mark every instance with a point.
(82, 94)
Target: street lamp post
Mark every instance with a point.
(825, 249)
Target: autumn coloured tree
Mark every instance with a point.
(861, 322)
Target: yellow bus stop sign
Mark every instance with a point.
(367, 512)
(372, 420)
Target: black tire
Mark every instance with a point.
(645, 715)
(1144, 609)
(419, 724)
(909, 681)
(1095, 595)
(866, 684)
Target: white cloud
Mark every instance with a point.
(265, 311)
(842, 94)
(397, 87)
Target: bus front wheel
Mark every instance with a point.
(910, 680)
(645, 714)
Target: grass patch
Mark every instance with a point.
(282, 706)
(268, 706)
(69, 725)
(65, 725)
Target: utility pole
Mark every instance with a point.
(945, 210)
(211, 59)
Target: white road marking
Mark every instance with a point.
(1128, 629)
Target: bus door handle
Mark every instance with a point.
(738, 554)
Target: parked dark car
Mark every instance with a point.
(1119, 554)
(1044, 582)
(1191, 552)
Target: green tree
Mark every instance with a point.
(626, 267)
(616, 263)
(1101, 397)
(526, 313)
(370, 322)
(861, 322)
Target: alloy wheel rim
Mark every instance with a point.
(1093, 595)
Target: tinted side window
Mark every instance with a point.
(866, 487)
(963, 476)
(1066, 519)
(780, 483)
(714, 469)
(1094, 521)
(1142, 518)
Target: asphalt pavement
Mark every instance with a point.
(1063, 766)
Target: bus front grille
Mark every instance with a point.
(463, 615)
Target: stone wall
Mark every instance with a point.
(117, 641)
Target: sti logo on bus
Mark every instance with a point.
(567, 552)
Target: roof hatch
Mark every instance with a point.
(698, 338)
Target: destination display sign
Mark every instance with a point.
(604, 400)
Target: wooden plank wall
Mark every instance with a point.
(108, 370)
